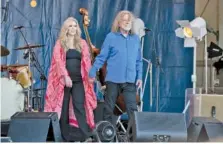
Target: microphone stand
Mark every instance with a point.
(158, 68)
(148, 71)
(29, 66)
(32, 58)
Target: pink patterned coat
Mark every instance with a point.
(55, 87)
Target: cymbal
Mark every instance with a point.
(4, 51)
(28, 47)
(17, 65)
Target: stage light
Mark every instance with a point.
(33, 3)
(190, 32)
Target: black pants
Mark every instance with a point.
(70, 133)
(112, 91)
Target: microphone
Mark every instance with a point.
(6, 11)
(18, 27)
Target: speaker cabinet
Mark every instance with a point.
(157, 127)
(211, 132)
(205, 129)
(34, 127)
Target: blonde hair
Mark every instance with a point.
(118, 19)
(63, 37)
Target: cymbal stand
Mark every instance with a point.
(28, 107)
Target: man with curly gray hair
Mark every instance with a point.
(122, 52)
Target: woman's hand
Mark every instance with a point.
(67, 81)
(91, 80)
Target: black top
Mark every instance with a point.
(73, 64)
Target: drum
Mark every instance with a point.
(22, 75)
(12, 98)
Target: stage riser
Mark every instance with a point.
(203, 106)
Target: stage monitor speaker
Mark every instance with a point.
(34, 127)
(211, 132)
(157, 127)
(196, 125)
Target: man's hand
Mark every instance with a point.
(93, 46)
(139, 84)
(95, 50)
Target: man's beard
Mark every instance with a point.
(128, 27)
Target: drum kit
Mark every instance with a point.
(15, 84)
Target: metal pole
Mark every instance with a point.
(146, 77)
(157, 89)
(29, 65)
(142, 89)
(206, 64)
(193, 77)
(151, 86)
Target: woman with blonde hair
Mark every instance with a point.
(122, 51)
(69, 92)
